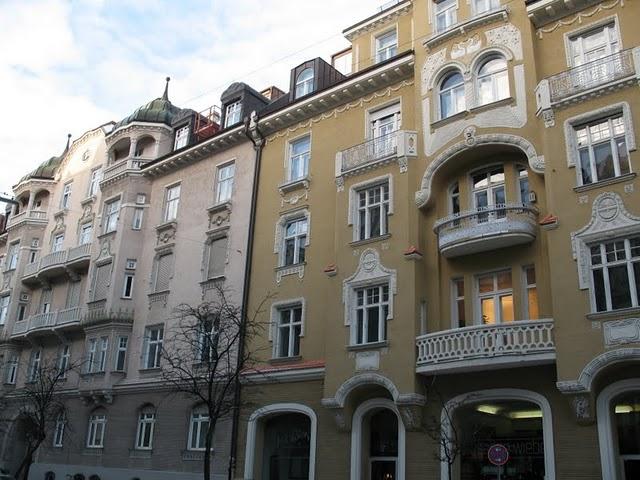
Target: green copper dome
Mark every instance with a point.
(160, 110)
(47, 169)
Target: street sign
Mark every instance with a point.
(498, 454)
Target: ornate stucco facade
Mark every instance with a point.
(446, 255)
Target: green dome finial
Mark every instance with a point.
(165, 95)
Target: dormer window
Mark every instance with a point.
(182, 138)
(386, 46)
(304, 83)
(233, 114)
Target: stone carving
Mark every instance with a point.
(608, 215)
(466, 47)
(431, 65)
(105, 249)
(340, 184)
(549, 118)
(628, 188)
(6, 281)
(367, 360)
(621, 332)
(469, 134)
(581, 407)
(403, 164)
(506, 36)
(292, 270)
(294, 199)
(167, 233)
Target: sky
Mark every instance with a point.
(70, 66)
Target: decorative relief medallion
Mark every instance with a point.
(469, 135)
(431, 65)
(621, 332)
(581, 407)
(506, 36)
(105, 249)
(549, 118)
(466, 47)
(294, 199)
(166, 233)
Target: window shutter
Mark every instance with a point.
(163, 272)
(73, 295)
(101, 286)
(217, 257)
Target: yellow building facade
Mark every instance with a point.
(448, 242)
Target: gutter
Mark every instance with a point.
(254, 134)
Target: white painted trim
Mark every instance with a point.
(507, 394)
(356, 436)
(273, 324)
(608, 455)
(352, 213)
(252, 427)
(577, 32)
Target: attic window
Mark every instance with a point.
(182, 138)
(304, 82)
(233, 114)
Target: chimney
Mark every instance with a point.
(272, 93)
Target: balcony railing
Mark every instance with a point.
(48, 321)
(471, 348)
(124, 166)
(60, 259)
(55, 258)
(36, 215)
(487, 228)
(78, 252)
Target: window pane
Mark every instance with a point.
(373, 317)
(485, 284)
(532, 299)
(598, 285)
(506, 308)
(604, 161)
(619, 286)
(585, 166)
(504, 280)
(623, 156)
(488, 311)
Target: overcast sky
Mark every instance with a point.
(69, 66)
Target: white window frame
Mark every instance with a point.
(12, 369)
(355, 208)
(65, 200)
(496, 294)
(304, 86)
(383, 53)
(381, 305)
(303, 159)
(94, 182)
(58, 433)
(197, 420)
(13, 256)
(35, 360)
(456, 296)
(102, 357)
(96, 429)
(280, 233)
(146, 420)
(233, 113)
(491, 6)
(4, 308)
(111, 215)
(127, 286)
(458, 89)
(137, 218)
(64, 360)
(576, 37)
(149, 344)
(92, 351)
(299, 239)
(86, 233)
(494, 78)
(182, 137)
(22, 312)
(57, 245)
(290, 327)
(121, 353)
(171, 202)
(450, 12)
(225, 175)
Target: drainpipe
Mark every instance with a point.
(254, 134)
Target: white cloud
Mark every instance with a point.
(72, 66)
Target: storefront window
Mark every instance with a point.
(383, 445)
(286, 447)
(626, 408)
(514, 425)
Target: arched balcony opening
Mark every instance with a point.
(145, 147)
(120, 150)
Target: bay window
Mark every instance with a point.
(615, 274)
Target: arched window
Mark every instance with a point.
(286, 446)
(146, 423)
(304, 82)
(493, 80)
(198, 426)
(451, 94)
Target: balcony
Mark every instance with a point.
(376, 152)
(123, 168)
(589, 80)
(48, 323)
(515, 344)
(36, 217)
(486, 229)
(58, 263)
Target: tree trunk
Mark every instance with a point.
(23, 471)
(207, 450)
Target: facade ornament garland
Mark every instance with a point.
(579, 16)
(334, 113)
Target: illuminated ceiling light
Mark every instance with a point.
(490, 409)
(525, 414)
(624, 409)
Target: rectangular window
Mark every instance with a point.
(495, 298)
(95, 435)
(171, 202)
(34, 365)
(4, 309)
(92, 360)
(386, 46)
(182, 138)
(458, 314)
(299, 155)
(12, 369)
(372, 310)
(217, 257)
(138, 214)
(121, 354)
(602, 150)
(58, 434)
(373, 211)
(163, 272)
(594, 44)
(615, 274)
(383, 124)
(484, 6)
(101, 281)
(127, 291)
(58, 241)
(86, 234)
(289, 329)
(531, 290)
(45, 300)
(233, 114)
(523, 184)
(153, 347)
(111, 212)
(94, 183)
(198, 430)
(445, 14)
(14, 252)
(22, 312)
(66, 196)
(144, 437)
(33, 256)
(102, 360)
(295, 240)
(225, 182)
(64, 359)
(208, 338)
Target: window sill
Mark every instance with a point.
(605, 183)
(366, 241)
(450, 119)
(88, 200)
(466, 26)
(285, 360)
(292, 185)
(92, 374)
(140, 453)
(167, 225)
(491, 105)
(107, 234)
(368, 346)
(150, 370)
(614, 314)
(220, 207)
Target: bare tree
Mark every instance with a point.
(41, 401)
(202, 359)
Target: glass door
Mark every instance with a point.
(489, 194)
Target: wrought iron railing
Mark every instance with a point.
(486, 341)
(591, 75)
(370, 151)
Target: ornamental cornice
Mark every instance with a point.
(376, 21)
(135, 127)
(546, 11)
